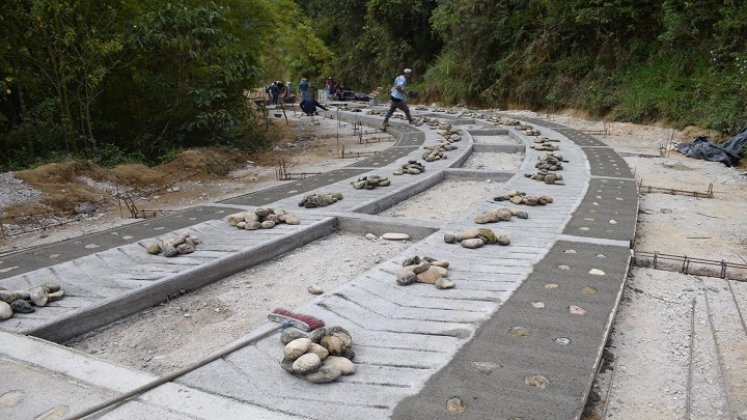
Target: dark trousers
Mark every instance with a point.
(395, 105)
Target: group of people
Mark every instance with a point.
(308, 104)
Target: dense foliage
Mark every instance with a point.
(683, 61)
(137, 79)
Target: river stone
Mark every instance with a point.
(170, 251)
(333, 343)
(392, 236)
(5, 311)
(344, 364)
(241, 225)
(358, 185)
(483, 218)
(274, 218)
(406, 276)
(315, 290)
(411, 261)
(296, 348)
(517, 199)
(384, 183)
(342, 334)
(444, 283)
(348, 354)
(449, 238)
(38, 296)
(316, 335)
(22, 306)
(307, 363)
(235, 218)
(324, 374)
(185, 248)
(50, 286)
(469, 234)
(267, 224)
(440, 263)
(472, 243)
(318, 350)
(250, 217)
(287, 365)
(262, 212)
(370, 236)
(488, 236)
(455, 405)
(291, 334)
(430, 276)
(154, 248)
(502, 239)
(55, 296)
(8, 296)
(521, 214)
(292, 219)
(444, 272)
(253, 225)
(421, 267)
(503, 214)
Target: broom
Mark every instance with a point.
(283, 317)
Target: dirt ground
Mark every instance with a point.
(652, 367)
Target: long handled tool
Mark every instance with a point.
(283, 317)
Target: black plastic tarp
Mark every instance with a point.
(727, 153)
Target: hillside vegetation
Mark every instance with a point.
(137, 80)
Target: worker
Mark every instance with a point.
(303, 87)
(309, 105)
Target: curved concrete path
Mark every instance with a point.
(416, 346)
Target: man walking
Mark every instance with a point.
(304, 88)
(399, 98)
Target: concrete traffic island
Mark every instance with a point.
(518, 336)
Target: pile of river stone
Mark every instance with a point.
(544, 144)
(520, 197)
(183, 243)
(319, 357)
(369, 182)
(23, 301)
(412, 167)
(500, 214)
(320, 200)
(475, 238)
(552, 161)
(503, 120)
(262, 218)
(425, 270)
(528, 130)
(546, 177)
